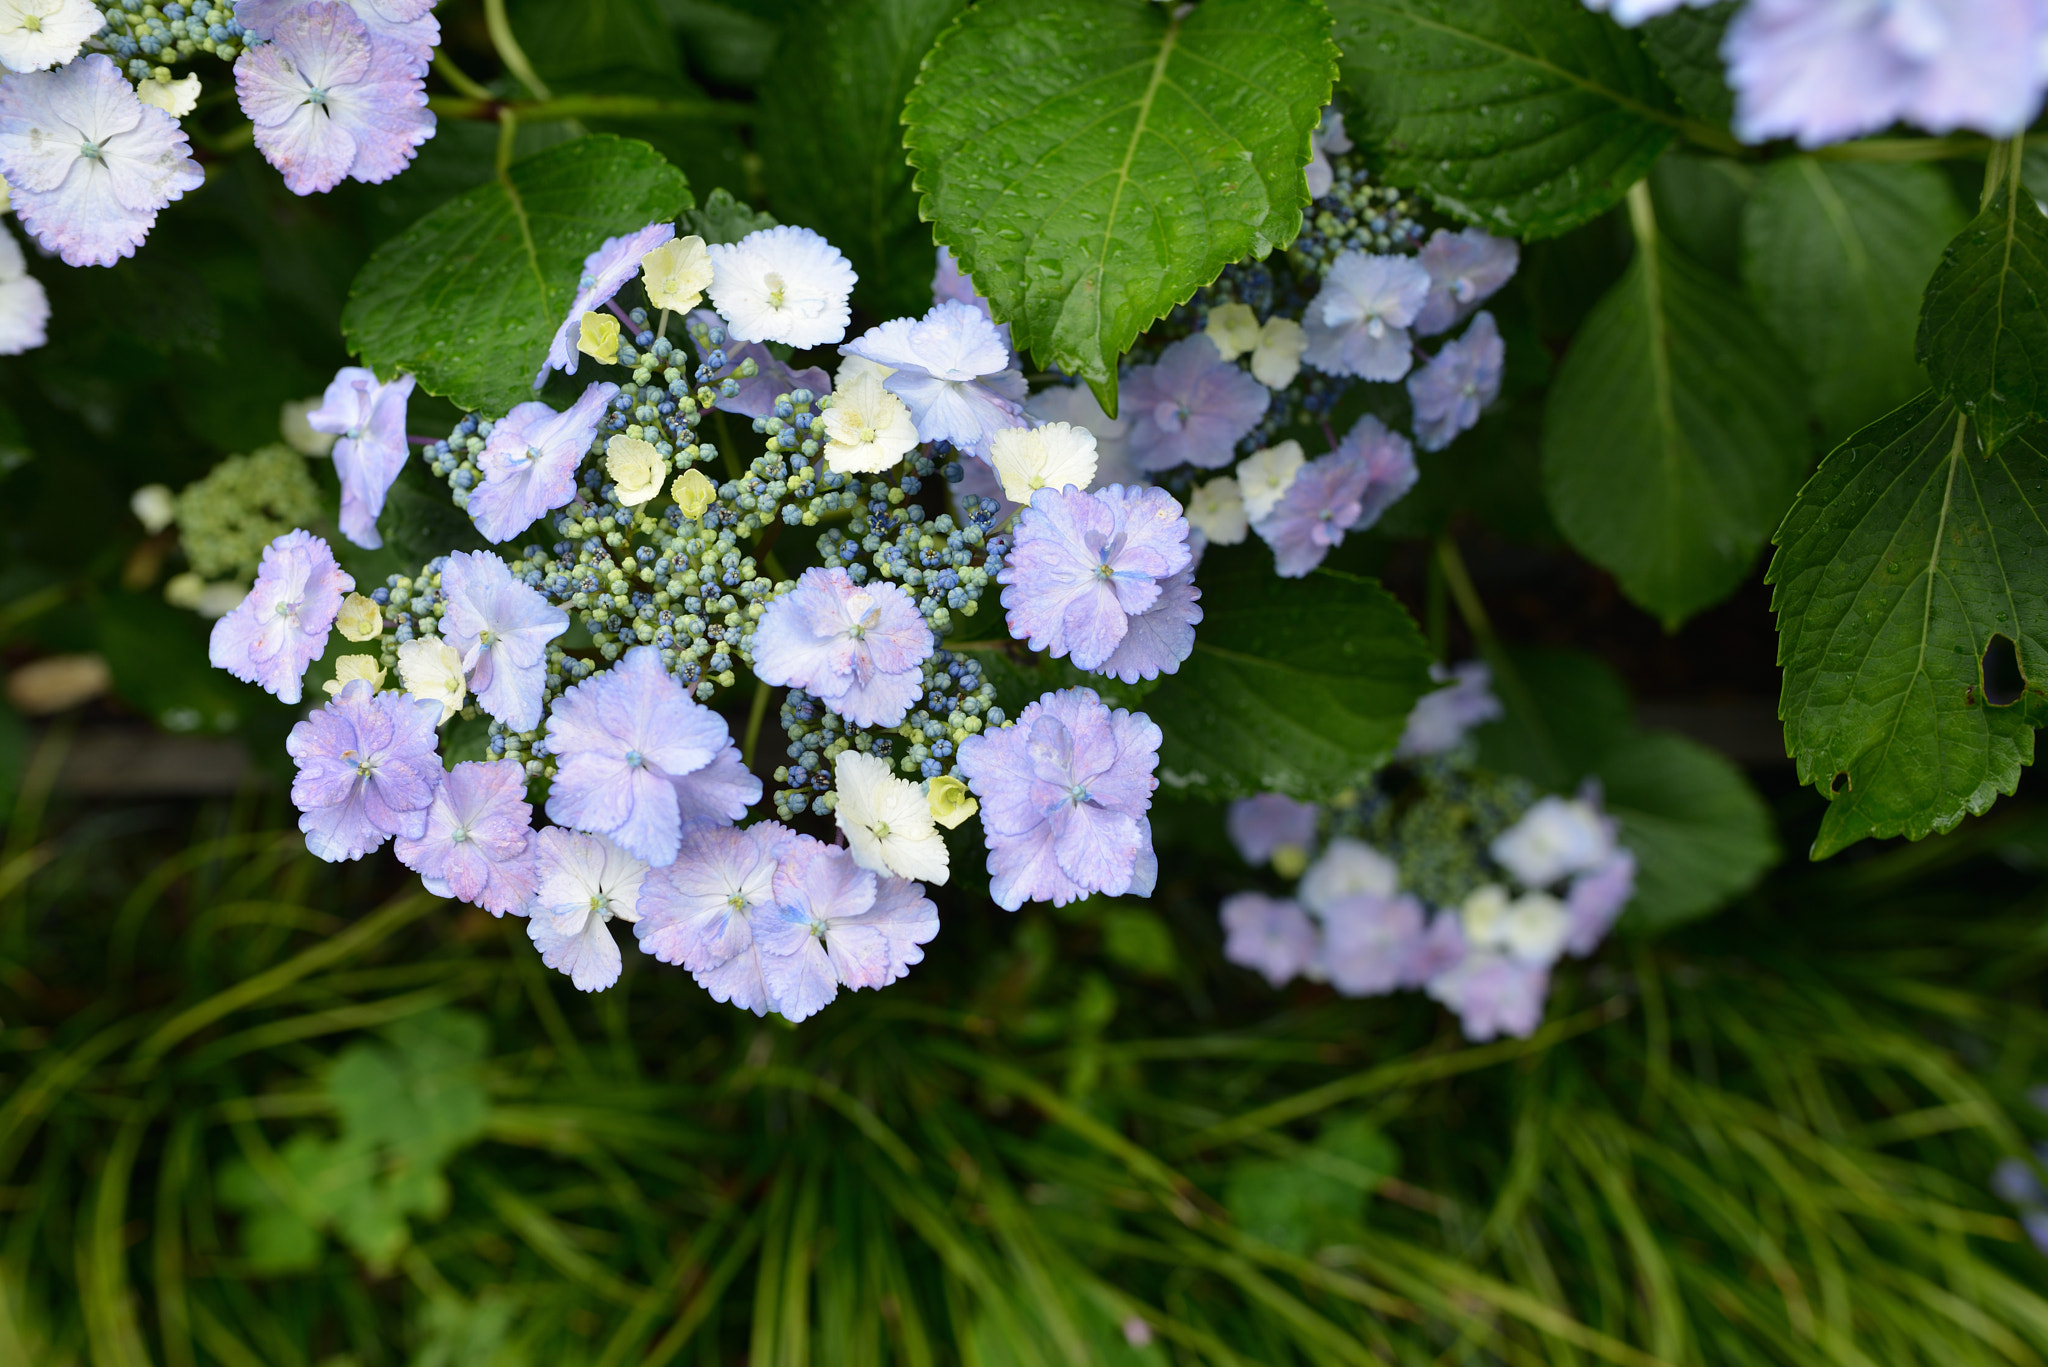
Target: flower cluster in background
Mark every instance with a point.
(1463, 884)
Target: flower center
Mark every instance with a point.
(1375, 328)
(487, 638)
(458, 835)
(1077, 794)
(365, 767)
(880, 830)
(737, 901)
(633, 759)
(600, 904)
(90, 151)
(525, 458)
(32, 22)
(777, 290)
(316, 96)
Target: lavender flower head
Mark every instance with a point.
(1493, 995)
(36, 35)
(1465, 269)
(638, 759)
(605, 273)
(835, 923)
(1441, 718)
(1264, 826)
(858, 647)
(1372, 944)
(1160, 637)
(369, 419)
(332, 100)
(1458, 383)
(953, 371)
(501, 628)
(1824, 70)
(784, 284)
(1345, 490)
(529, 462)
(281, 626)
(1358, 322)
(1192, 407)
(91, 208)
(478, 843)
(1596, 898)
(1064, 794)
(1272, 937)
(367, 770)
(584, 883)
(409, 23)
(700, 911)
(1085, 564)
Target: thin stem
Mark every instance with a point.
(1523, 703)
(2002, 167)
(509, 51)
(624, 317)
(1961, 146)
(755, 713)
(459, 78)
(508, 134)
(594, 107)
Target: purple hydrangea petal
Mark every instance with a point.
(1085, 563)
(1348, 488)
(91, 211)
(1270, 821)
(1824, 70)
(738, 980)
(878, 946)
(1192, 407)
(1159, 638)
(953, 371)
(1050, 786)
(281, 626)
(367, 770)
(717, 794)
(330, 98)
(698, 911)
(584, 883)
(1369, 943)
(1493, 995)
(1440, 719)
(859, 648)
(1595, 900)
(501, 628)
(478, 841)
(605, 273)
(1358, 323)
(369, 419)
(529, 462)
(1271, 936)
(1465, 269)
(409, 23)
(1458, 383)
(621, 739)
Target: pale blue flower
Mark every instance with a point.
(1269, 822)
(1085, 564)
(857, 647)
(369, 420)
(409, 23)
(1269, 935)
(1346, 490)
(479, 841)
(1595, 899)
(584, 883)
(367, 770)
(1439, 721)
(501, 629)
(1372, 944)
(1358, 322)
(1458, 383)
(1493, 994)
(1159, 638)
(529, 462)
(1064, 794)
(1192, 407)
(605, 273)
(835, 923)
(1465, 269)
(952, 370)
(281, 626)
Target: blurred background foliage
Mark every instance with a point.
(259, 1110)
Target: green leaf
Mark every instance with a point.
(832, 143)
(1021, 677)
(1295, 686)
(1673, 439)
(1835, 255)
(1093, 162)
(1908, 550)
(1686, 46)
(1699, 831)
(1528, 117)
(1983, 329)
(723, 219)
(468, 297)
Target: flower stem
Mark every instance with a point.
(509, 51)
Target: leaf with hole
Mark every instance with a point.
(469, 297)
(1674, 436)
(1093, 162)
(1983, 329)
(1907, 553)
(1528, 117)
(1835, 255)
(1295, 686)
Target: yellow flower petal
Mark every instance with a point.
(950, 801)
(676, 274)
(600, 339)
(349, 668)
(360, 618)
(636, 468)
(693, 493)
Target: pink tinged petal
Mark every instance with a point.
(717, 794)
(1025, 869)
(696, 912)
(1092, 626)
(384, 111)
(800, 983)
(582, 947)
(738, 980)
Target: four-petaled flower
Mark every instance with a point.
(1358, 322)
(1085, 564)
(886, 819)
(835, 922)
(281, 626)
(1463, 377)
(858, 647)
(529, 462)
(369, 420)
(1191, 407)
(367, 771)
(479, 840)
(501, 628)
(584, 882)
(700, 911)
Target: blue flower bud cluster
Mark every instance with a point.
(1356, 216)
(147, 37)
(1437, 821)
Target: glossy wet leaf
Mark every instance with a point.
(1983, 329)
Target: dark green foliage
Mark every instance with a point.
(1527, 117)
(1983, 331)
(1908, 551)
(1093, 162)
(469, 297)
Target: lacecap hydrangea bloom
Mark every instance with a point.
(1450, 392)
(1086, 564)
(783, 284)
(368, 770)
(1192, 407)
(332, 100)
(281, 626)
(87, 163)
(529, 462)
(952, 370)
(478, 844)
(856, 647)
(1064, 795)
(368, 420)
(500, 628)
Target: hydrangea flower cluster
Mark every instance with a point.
(1516, 884)
(536, 721)
(1821, 71)
(1224, 402)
